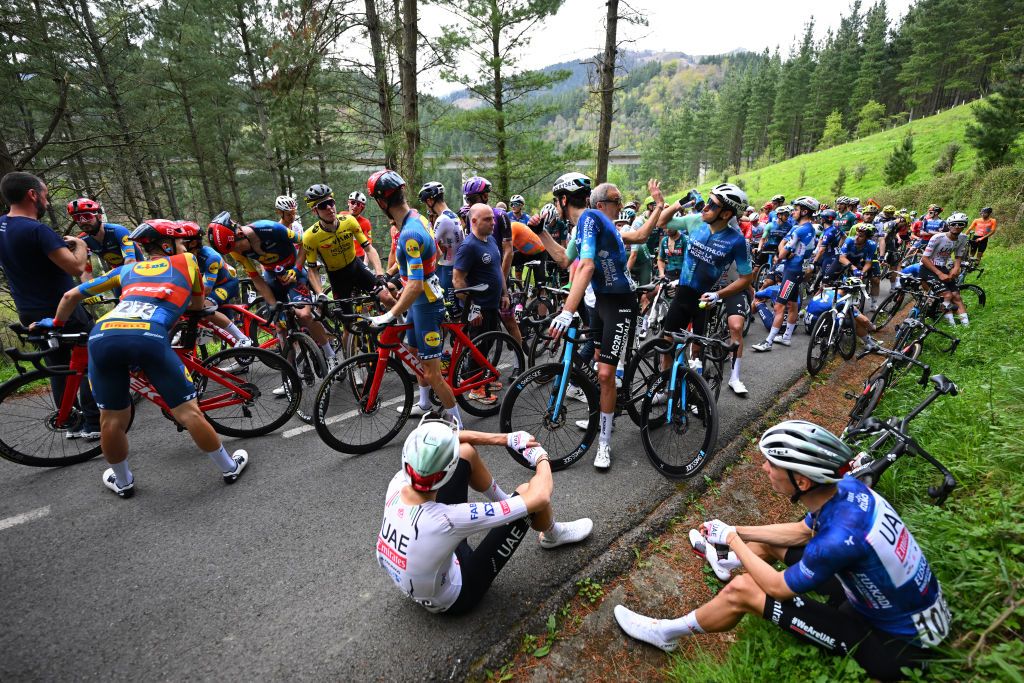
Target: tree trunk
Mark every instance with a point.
(229, 164)
(120, 117)
(283, 182)
(165, 179)
(83, 175)
(410, 96)
(197, 149)
(254, 85)
(318, 140)
(501, 159)
(607, 90)
(380, 68)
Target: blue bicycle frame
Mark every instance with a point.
(677, 362)
(555, 402)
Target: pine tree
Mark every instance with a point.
(872, 63)
(840, 182)
(901, 162)
(999, 120)
(869, 118)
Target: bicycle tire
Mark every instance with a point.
(866, 402)
(544, 349)
(498, 344)
(311, 367)
(263, 372)
(900, 367)
(887, 310)
(342, 401)
(846, 342)
(27, 433)
(646, 361)
(700, 411)
(975, 296)
(563, 440)
(252, 329)
(819, 349)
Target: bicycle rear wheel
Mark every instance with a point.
(846, 341)
(642, 368)
(504, 354)
(261, 372)
(887, 310)
(345, 420)
(544, 349)
(528, 405)
(819, 348)
(866, 402)
(311, 367)
(679, 444)
(28, 431)
(973, 296)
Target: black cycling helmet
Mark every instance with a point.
(384, 184)
(318, 193)
(431, 190)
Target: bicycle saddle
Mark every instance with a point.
(531, 264)
(645, 288)
(944, 385)
(482, 287)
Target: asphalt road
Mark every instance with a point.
(275, 576)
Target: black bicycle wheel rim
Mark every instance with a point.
(643, 367)
(681, 447)
(846, 343)
(504, 353)
(311, 368)
(264, 412)
(818, 349)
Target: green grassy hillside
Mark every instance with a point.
(931, 135)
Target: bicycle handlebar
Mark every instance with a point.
(926, 369)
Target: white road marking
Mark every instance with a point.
(331, 420)
(24, 517)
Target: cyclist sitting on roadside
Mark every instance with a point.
(448, 233)
(793, 250)
(884, 606)
(286, 209)
(220, 285)
(981, 232)
(602, 264)
(422, 295)
(111, 242)
(280, 252)
(155, 293)
(422, 543)
(941, 264)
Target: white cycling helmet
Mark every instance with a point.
(805, 448)
(357, 196)
(285, 203)
(735, 199)
(431, 454)
(809, 203)
(958, 218)
(517, 199)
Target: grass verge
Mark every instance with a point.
(975, 543)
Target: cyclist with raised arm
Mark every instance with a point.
(940, 264)
(422, 296)
(422, 543)
(111, 242)
(793, 251)
(884, 605)
(286, 213)
(136, 334)
(602, 265)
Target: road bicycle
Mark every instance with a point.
(834, 331)
(364, 402)
(895, 365)
(34, 424)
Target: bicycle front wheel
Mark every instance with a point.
(846, 341)
(344, 417)
(679, 426)
(820, 347)
(29, 434)
(973, 296)
(529, 405)
(645, 364)
(505, 356)
(887, 310)
(311, 367)
(259, 374)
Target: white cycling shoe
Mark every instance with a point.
(738, 387)
(722, 567)
(642, 628)
(568, 532)
(603, 459)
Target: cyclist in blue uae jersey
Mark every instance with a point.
(422, 296)
(884, 605)
(602, 265)
(795, 248)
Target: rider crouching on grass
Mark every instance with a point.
(427, 517)
(940, 264)
(155, 293)
(884, 606)
(422, 296)
(793, 250)
(602, 264)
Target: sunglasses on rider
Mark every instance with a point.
(85, 217)
(325, 204)
(711, 204)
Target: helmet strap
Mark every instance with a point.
(797, 491)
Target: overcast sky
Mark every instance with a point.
(577, 31)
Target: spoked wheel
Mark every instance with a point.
(679, 427)
(820, 346)
(888, 309)
(257, 373)
(544, 349)
(344, 417)
(505, 355)
(900, 367)
(846, 341)
(29, 434)
(529, 405)
(311, 367)
(645, 365)
(866, 402)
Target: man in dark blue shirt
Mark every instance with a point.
(39, 266)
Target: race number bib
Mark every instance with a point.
(136, 310)
(932, 624)
(433, 287)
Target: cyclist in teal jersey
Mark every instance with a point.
(422, 297)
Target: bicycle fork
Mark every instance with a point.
(673, 379)
(558, 396)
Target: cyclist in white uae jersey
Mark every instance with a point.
(884, 605)
(448, 233)
(940, 263)
(427, 517)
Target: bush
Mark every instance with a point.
(947, 159)
(859, 171)
(840, 182)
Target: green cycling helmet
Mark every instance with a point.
(431, 454)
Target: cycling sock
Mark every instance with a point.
(735, 369)
(772, 334)
(963, 319)
(949, 319)
(607, 419)
(671, 629)
(494, 493)
(454, 413)
(551, 533)
(222, 460)
(790, 329)
(425, 397)
(123, 474)
(235, 332)
(328, 349)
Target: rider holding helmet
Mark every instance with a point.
(136, 334)
(884, 605)
(427, 517)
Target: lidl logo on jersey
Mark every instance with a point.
(150, 268)
(433, 339)
(126, 241)
(412, 248)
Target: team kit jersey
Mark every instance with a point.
(449, 235)
(943, 250)
(932, 226)
(982, 228)
(117, 247)
(216, 271)
(416, 544)
(335, 249)
(672, 253)
(366, 226)
(861, 540)
(597, 239)
(416, 252)
(709, 254)
(845, 221)
(775, 233)
(800, 243)
(278, 244)
(831, 241)
(860, 256)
